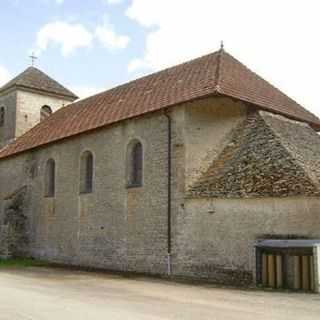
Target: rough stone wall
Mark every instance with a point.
(300, 140)
(13, 227)
(14, 175)
(202, 132)
(28, 108)
(216, 236)
(255, 163)
(207, 125)
(114, 227)
(7, 132)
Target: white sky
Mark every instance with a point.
(278, 39)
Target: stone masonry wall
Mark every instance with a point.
(125, 229)
(254, 163)
(216, 236)
(114, 227)
(13, 227)
(29, 105)
(7, 132)
(301, 141)
(208, 124)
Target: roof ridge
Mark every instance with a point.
(267, 81)
(218, 70)
(34, 78)
(152, 74)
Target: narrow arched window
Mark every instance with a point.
(2, 116)
(50, 178)
(135, 160)
(45, 112)
(86, 172)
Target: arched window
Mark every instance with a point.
(50, 178)
(135, 164)
(45, 112)
(86, 172)
(2, 116)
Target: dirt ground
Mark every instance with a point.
(38, 293)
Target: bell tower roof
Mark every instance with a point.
(35, 79)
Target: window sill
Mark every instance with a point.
(134, 186)
(83, 193)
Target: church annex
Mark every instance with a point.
(203, 170)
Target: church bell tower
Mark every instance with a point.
(28, 99)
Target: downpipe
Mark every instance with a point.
(169, 175)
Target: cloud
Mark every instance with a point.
(68, 36)
(4, 76)
(277, 39)
(111, 2)
(59, 1)
(108, 37)
(175, 35)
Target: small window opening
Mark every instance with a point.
(135, 164)
(2, 116)
(86, 172)
(45, 112)
(50, 178)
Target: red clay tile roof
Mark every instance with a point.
(34, 78)
(214, 74)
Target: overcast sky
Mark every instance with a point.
(93, 45)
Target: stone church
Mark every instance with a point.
(203, 170)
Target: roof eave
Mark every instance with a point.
(215, 93)
(71, 97)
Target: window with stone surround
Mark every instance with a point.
(2, 116)
(135, 164)
(45, 112)
(86, 172)
(50, 178)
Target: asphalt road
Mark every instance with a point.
(47, 294)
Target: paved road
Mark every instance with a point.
(47, 294)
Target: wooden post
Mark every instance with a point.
(271, 271)
(264, 270)
(305, 273)
(316, 268)
(279, 271)
(297, 272)
(311, 262)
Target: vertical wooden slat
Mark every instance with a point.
(311, 268)
(285, 279)
(279, 271)
(297, 282)
(305, 273)
(271, 271)
(264, 270)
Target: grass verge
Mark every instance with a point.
(21, 263)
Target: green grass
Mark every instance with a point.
(21, 263)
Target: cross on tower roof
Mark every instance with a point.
(33, 58)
